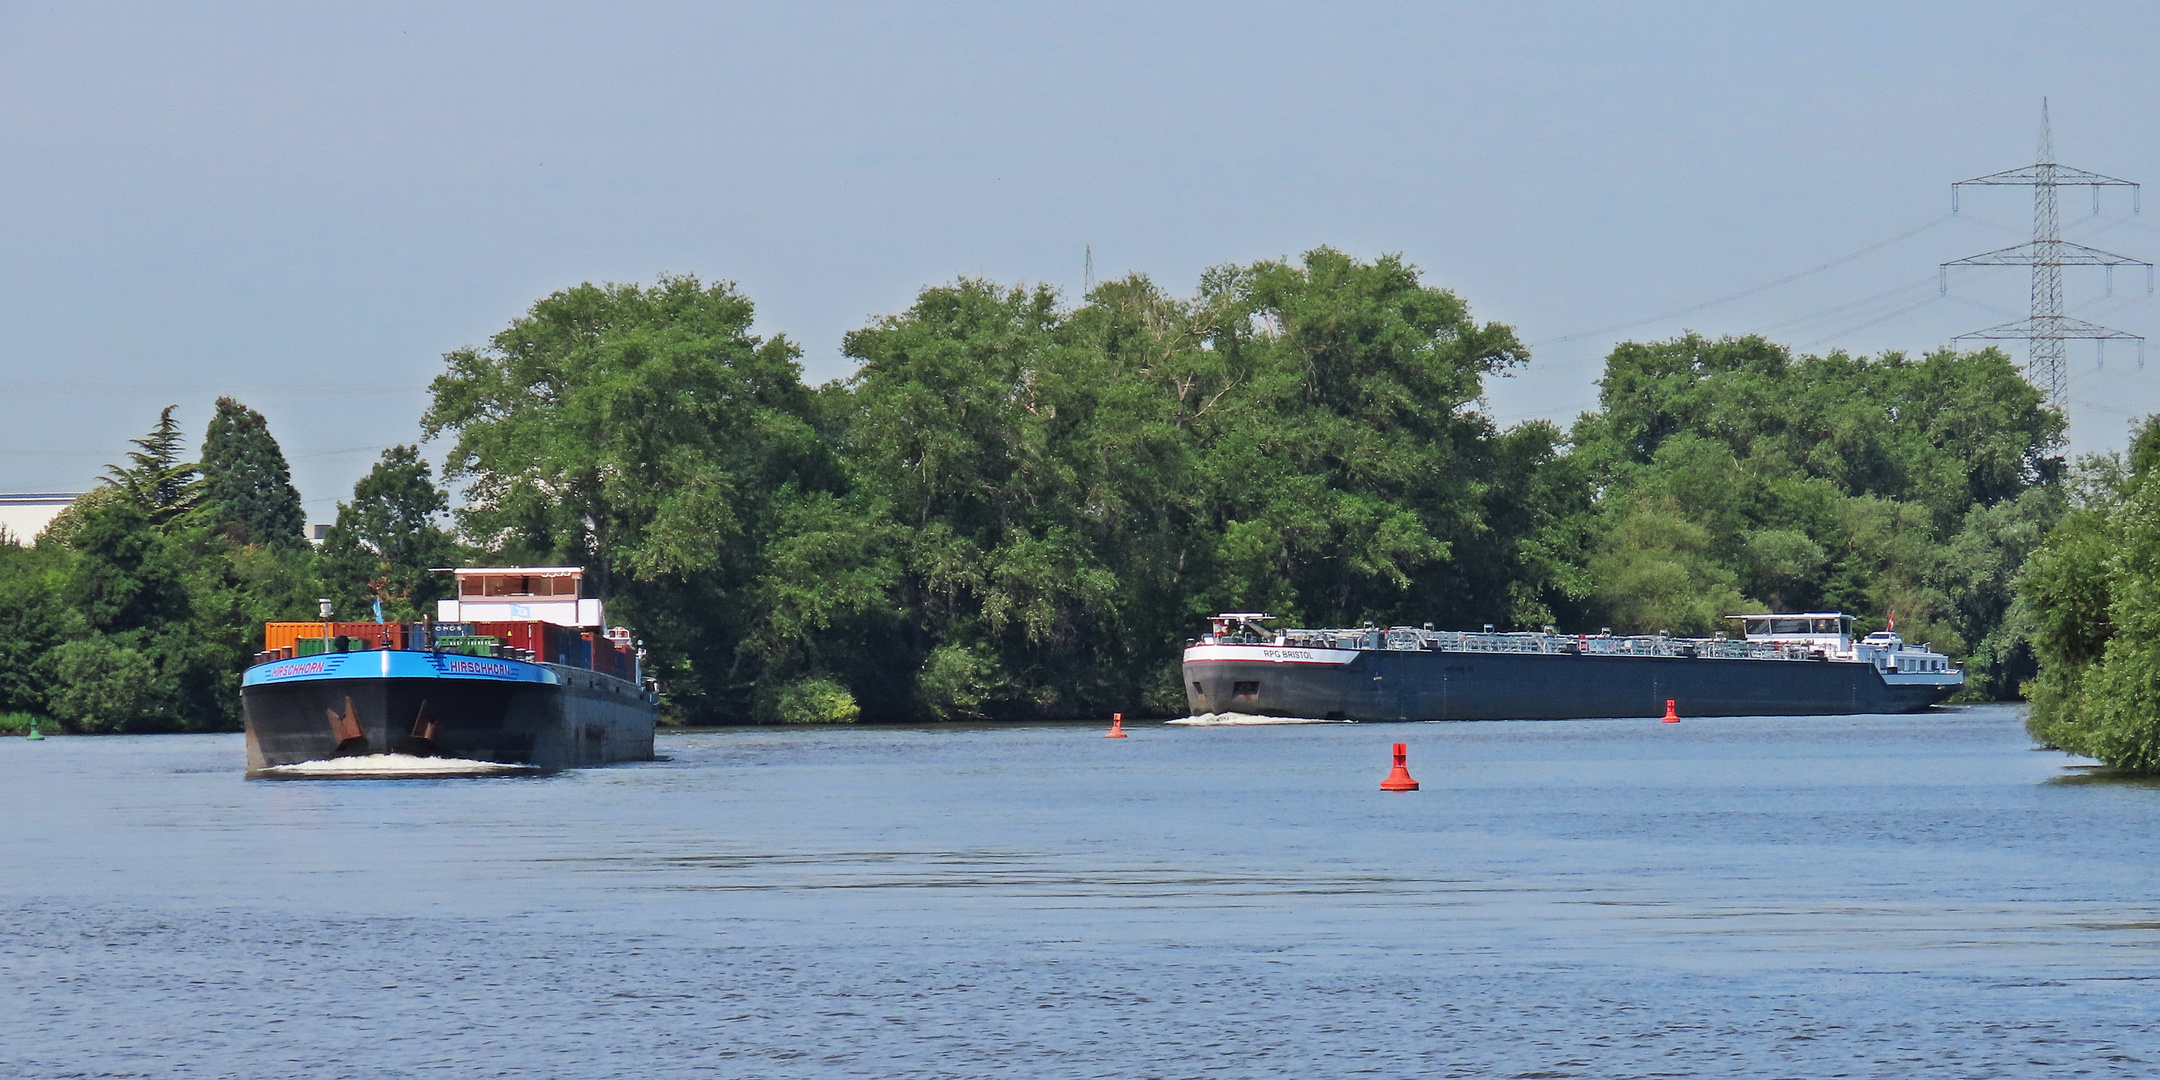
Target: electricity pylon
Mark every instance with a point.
(2047, 254)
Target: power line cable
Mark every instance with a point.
(1915, 306)
(1787, 280)
(202, 388)
(1968, 302)
(1927, 282)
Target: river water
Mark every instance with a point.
(1853, 896)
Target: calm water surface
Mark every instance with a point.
(1859, 896)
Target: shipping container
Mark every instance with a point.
(279, 635)
(467, 644)
(542, 641)
(315, 646)
(529, 636)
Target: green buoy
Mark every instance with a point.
(34, 736)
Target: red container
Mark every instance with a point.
(377, 635)
(527, 635)
(607, 657)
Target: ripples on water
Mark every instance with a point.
(1862, 896)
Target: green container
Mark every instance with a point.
(468, 644)
(315, 646)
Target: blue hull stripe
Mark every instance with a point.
(391, 664)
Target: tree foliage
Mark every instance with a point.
(646, 434)
(2088, 594)
(34, 618)
(1735, 475)
(389, 540)
(155, 480)
(247, 486)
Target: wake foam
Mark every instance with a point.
(378, 766)
(1232, 719)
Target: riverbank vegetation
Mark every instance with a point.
(1020, 507)
(2091, 591)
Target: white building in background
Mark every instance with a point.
(23, 517)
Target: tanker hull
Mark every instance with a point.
(1432, 685)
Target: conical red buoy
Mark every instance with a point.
(1117, 726)
(1399, 779)
(1672, 715)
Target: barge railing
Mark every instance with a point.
(1417, 639)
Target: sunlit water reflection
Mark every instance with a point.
(1860, 896)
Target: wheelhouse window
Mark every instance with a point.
(476, 586)
(1777, 626)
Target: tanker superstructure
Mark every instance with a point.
(520, 669)
(1782, 665)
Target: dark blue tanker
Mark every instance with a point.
(1407, 673)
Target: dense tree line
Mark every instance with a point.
(2091, 592)
(1018, 507)
(1734, 475)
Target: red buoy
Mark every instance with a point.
(1399, 779)
(1117, 726)
(1672, 715)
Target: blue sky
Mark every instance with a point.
(306, 207)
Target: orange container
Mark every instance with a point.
(284, 635)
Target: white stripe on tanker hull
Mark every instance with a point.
(1391, 685)
(1273, 654)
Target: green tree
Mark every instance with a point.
(387, 541)
(34, 618)
(103, 684)
(128, 576)
(247, 486)
(2087, 593)
(1347, 472)
(645, 434)
(1657, 571)
(975, 425)
(155, 479)
(817, 701)
(144, 651)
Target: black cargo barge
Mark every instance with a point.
(1786, 665)
(518, 671)
(430, 704)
